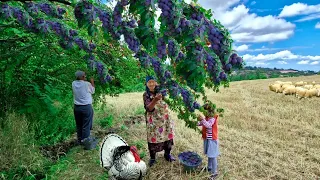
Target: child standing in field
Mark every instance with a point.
(209, 124)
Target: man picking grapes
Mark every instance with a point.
(83, 111)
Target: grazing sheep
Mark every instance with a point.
(313, 83)
(300, 83)
(308, 86)
(283, 87)
(300, 92)
(318, 93)
(289, 90)
(317, 86)
(311, 92)
(288, 83)
(275, 87)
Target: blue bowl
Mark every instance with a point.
(190, 160)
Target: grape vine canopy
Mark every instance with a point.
(198, 47)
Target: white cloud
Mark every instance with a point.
(303, 62)
(317, 25)
(281, 55)
(241, 48)
(299, 9)
(253, 3)
(282, 62)
(263, 48)
(314, 63)
(309, 18)
(248, 27)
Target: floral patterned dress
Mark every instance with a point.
(160, 127)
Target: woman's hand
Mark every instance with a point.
(158, 97)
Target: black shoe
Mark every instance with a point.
(213, 176)
(89, 143)
(169, 158)
(152, 162)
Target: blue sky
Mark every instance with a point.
(282, 34)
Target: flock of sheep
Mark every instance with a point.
(299, 89)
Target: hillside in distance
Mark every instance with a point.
(253, 72)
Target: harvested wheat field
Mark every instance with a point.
(263, 135)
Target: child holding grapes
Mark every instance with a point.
(209, 123)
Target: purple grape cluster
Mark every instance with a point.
(167, 74)
(161, 47)
(169, 17)
(213, 69)
(163, 92)
(199, 52)
(67, 36)
(210, 63)
(5, 11)
(132, 41)
(172, 48)
(180, 57)
(147, 2)
(90, 61)
(48, 9)
(81, 43)
(158, 70)
(101, 73)
(166, 8)
(196, 16)
(31, 8)
(183, 25)
(124, 2)
(190, 158)
(144, 58)
(92, 47)
(19, 15)
(196, 105)
(117, 17)
(100, 69)
(42, 25)
(73, 33)
(223, 76)
(235, 59)
(107, 79)
(60, 11)
(78, 12)
(173, 88)
(131, 24)
(85, 12)
(105, 18)
(187, 99)
(107, 25)
(215, 38)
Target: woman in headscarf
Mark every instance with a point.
(159, 125)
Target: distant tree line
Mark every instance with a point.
(253, 72)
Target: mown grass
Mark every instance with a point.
(263, 135)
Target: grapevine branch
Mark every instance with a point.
(192, 67)
(59, 1)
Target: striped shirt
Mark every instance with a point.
(208, 124)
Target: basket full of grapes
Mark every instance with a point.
(190, 160)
